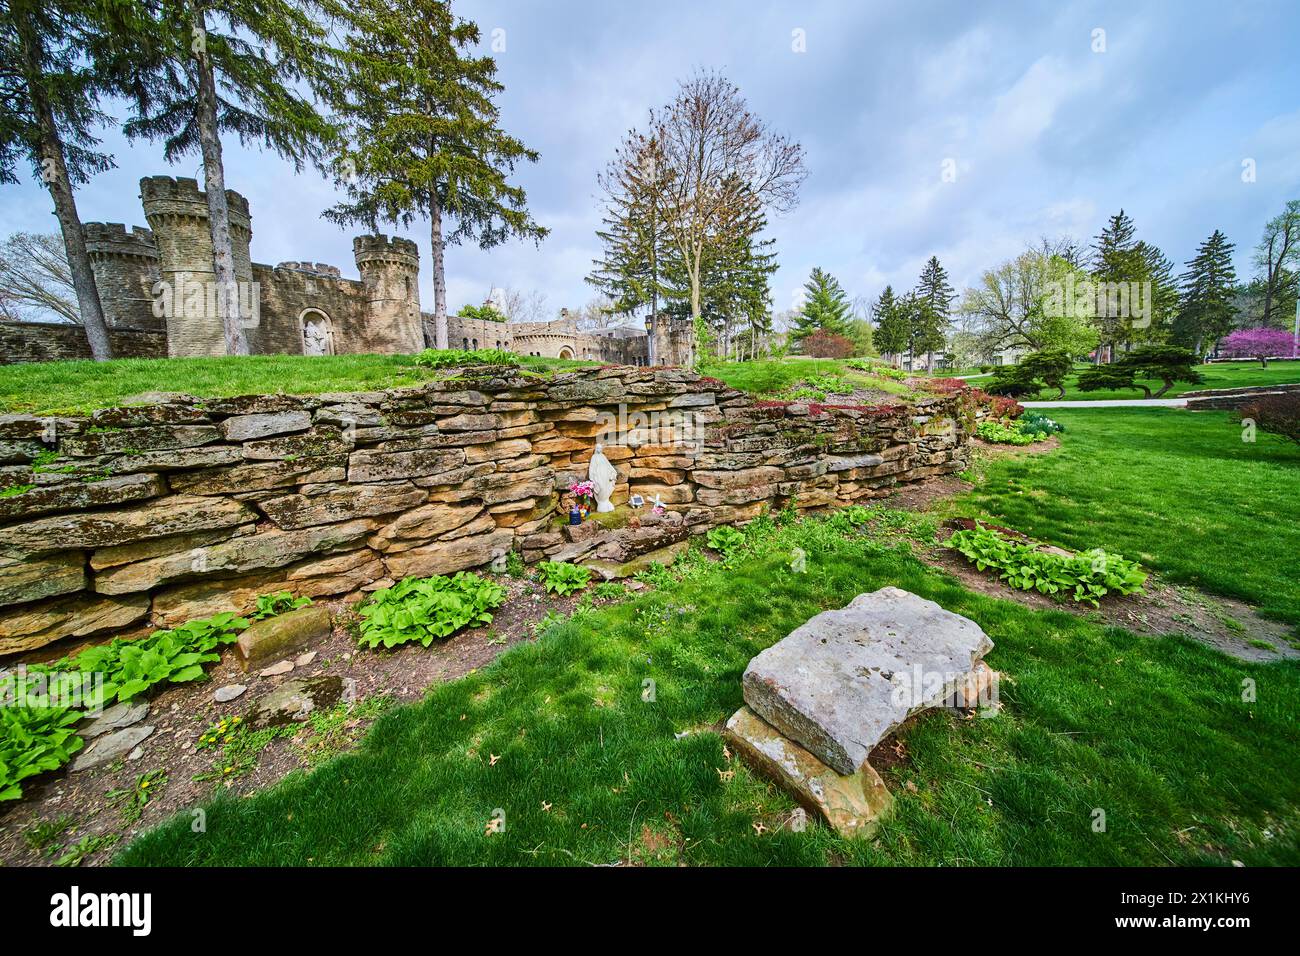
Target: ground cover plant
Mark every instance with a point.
(1086, 576)
(428, 609)
(1004, 433)
(563, 578)
(558, 754)
(1179, 491)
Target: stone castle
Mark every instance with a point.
(294, 308)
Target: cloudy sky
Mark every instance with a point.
(1050, 124)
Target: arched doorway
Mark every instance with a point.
(317, 333)
(566, 352)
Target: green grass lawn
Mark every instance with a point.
(771, 377)
(1153, 731)
(47, 388)
(1216, 375)
(1180, 491)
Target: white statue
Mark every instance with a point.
(602, 476)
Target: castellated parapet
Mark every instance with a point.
(390, 272)
(177, 211)
(126, 267)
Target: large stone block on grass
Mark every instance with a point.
(844, 679)
(279, 637)
(852, 804)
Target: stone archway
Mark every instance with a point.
(566, 352)
(317, 333)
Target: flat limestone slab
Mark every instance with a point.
(851, 804)
(841, 681)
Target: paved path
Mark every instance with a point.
(1113, 403)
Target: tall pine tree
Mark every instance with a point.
(424, 135)
(933, 316)
(48, 97)
(825, 308)
(893, 332)
(195, 69)
(1116, 258)
(1208, 288)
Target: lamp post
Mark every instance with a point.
(650, 338)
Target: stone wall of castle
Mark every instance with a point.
(156, 514)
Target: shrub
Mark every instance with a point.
(1086, 576)
(563, 578)
(485, 313)
(1034, 372)
(823, 344)
(1276, 414)
(725, 540)
(1169, 363)
(449, 358)
(422, 609)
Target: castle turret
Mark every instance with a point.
(126, 268)
(177, 210)
(390, 270)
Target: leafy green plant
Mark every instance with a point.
(135, 798)
(1086, 576)
(177, 656)
(425, 609)
(34, 740)
(44, 836)
(1039, 425)
(563, 578)
(269, 605)
(1003, 434)
(725, 539)
(85, 847)
(450, 358)
(219, 734)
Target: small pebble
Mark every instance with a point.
(228, 693)
(302, 660)
(283, 667)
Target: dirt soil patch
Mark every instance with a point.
(182, 712)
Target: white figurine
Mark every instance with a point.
(602, 476)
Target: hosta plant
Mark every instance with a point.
(33, 740)
(563, 578)
(725, 539)
(269, 605)
(1003, 434)
(428, 609)
(1085, 577)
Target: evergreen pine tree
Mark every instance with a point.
(1208, 290)
(933, 316)
(195, 69)
(825, 307)
(892, 333)
(1116, 258)
(1158, 270)
(423, 133)
(48, 108)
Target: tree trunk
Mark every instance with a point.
(214, 183)
(439, 276)
(54, 171)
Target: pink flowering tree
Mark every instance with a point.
(1261, 344)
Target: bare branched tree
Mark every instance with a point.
(721, 155)
(520, 306)
(35, 281)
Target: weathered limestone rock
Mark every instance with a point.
(82, 494)
(267, 550)
(110, 747)
(743, 478)
(445, 557)
(178, 603)
(614, 570)
(277, 637)
(852, 804)
(319, 442)
(243, 428)
(34, 578)
(667, 494)
(844, 679)
(323, 504)
(422, 525)
(29, 626)
(156, 547)
(379, 465)
(261, 477)
(176, 459)
(115, 718)
(336, 574)
(296, 699)
(162, 517)
(152, 438)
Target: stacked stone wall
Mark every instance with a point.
(155, 514)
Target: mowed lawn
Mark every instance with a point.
(1180, 491)
(47, 388)
(1216, 375)
(560, 741)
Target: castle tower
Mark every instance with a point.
(126, 268)
(177, 211)
(390, 270)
